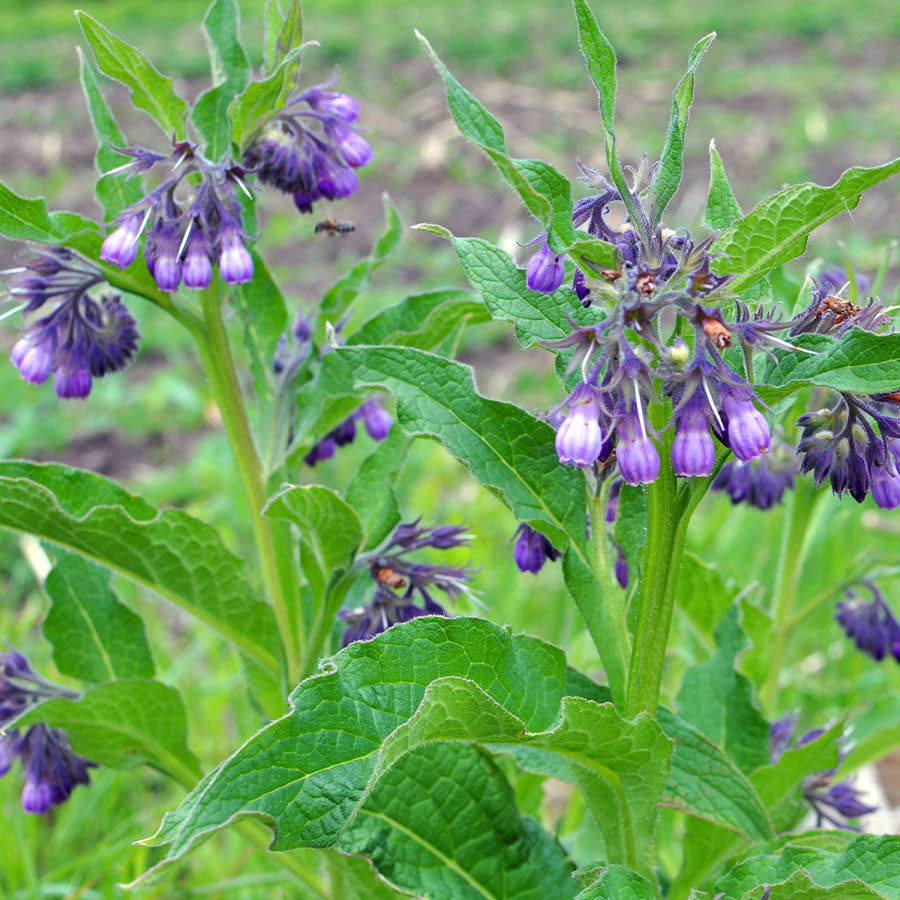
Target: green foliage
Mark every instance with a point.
(614, 883)
(722, 208)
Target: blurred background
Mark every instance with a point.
(790, 92)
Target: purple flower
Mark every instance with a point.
(197, 267)
(235, 262)
(748, 431)
(781, 733)
(331, 103)
(579, 440)
(120, 248)
(354, 149)
(72, 383)
(761, 482)
(885, 486)
(325, 449)
(162, 256)
(33, 355)
(693, 451)
(545, 270)
(334, 180)
(532, 549)
(636, 454)
(376, 418)
(870, 624)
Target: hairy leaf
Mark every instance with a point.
(777, 229)
(722, 209)
(616, 883)
(509, 451)
(124, 723)
(703, 596)
(171, 553)
(94, 636)
(671, 163)
(150, 91)
(601, 62)
(230, 74)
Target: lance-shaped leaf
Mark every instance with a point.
(230, 74)
(859, 361)
(719, 701)
(170, 552)
(94, 636)
(124, 723)
(509, 451)
(432, 679)
(485, 849)
(601, 62)
(671, 163)
(423, 320)
(114, 192)
(290, 35)
(150, 90)
(868, 867)
(613, 883)
(545, 192)
(722, 208)
(330, 531)
(492, 272)
(778, 228)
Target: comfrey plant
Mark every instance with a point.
(398, 738)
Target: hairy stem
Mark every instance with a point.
(219, 363)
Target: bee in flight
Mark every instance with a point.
(333, 227)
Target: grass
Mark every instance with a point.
(790, 91)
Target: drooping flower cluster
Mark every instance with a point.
(400, 582)
(828, 798)
(532, 549)
(761, 482)
(193, 217)
(80, 338)
(375, 417)
(870, 623)
(310, 148)
(52, 770)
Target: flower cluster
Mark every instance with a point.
(870, 624)
(192, 217)
(399, 582)
(310, 148)
(52, 769)
(829, 799)
(532, 549)
(376, 419)
(761, 482)
(80, 338)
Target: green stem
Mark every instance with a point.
(215, 352)
(787, 578)
(326, 610)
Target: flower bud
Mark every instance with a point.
(355, 149)
(34, 360)
(197, 268)
(72, 383)
(748, 431)
(636, 454)
(545, 271)
(235, 262)
(162, 256)
(120, 248)
(377, 419)
(532, 550)
(693, 451)
(579, 440)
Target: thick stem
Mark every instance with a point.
(217, 359)
(787, 577)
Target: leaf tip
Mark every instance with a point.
(439, 230)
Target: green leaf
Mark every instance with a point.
(261, 308)
(124, 723)
(869, 861)
(230, 74)
(876, 732)
(707, 784)
(353, 876)
(330, 531)
(377, 509)
(94, 637)
(545, 192)
(429, 680)
(150, 91)
(617, 883)
(290, 37)
(859, 361)
(493, 274)
(601, 62)
(423, 320)
(338, 298)
(487, 850)
(324, 401)
(671, 163)
(703, 596)
(171, 553)
(722, 209)
(115, 192)
(28, 220)
(777, 229)
(509, 451)
(719, 701)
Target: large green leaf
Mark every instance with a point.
(150, 91)
(868, 867)
(719, 700)
(114, 192)
(425, 681)
(230, 74)
(171, 553)
(492, 272)
(484, 849)
(671, 163)
(94, 637)
(777, 229)
(124, 723)
(509, 451)
(703, 596)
